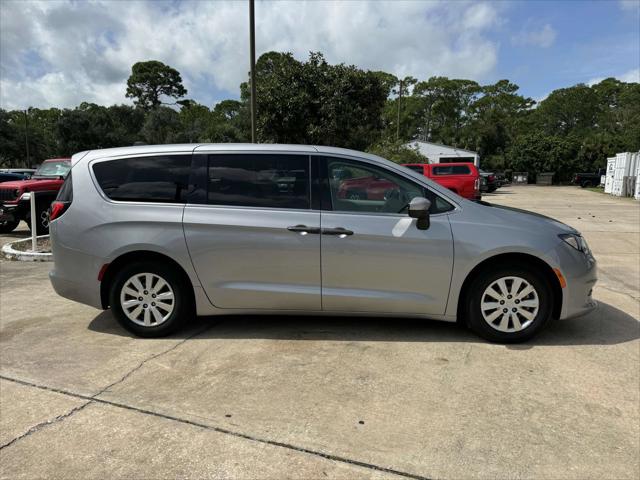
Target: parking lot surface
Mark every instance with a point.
(309, 397)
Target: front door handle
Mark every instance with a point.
(303, 229)
(339, 231)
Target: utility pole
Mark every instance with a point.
(399, 102)
(26, 136)
(252, 48)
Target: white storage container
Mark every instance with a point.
(611, 167)
(637, 192)
(624, 163)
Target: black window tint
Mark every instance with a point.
(451, 170)
(66, 191)
(162, 178)
(461, 170)
(416, 168)
(254, 180)
(442, 170)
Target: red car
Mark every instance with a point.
(15, 196)
(461, 178)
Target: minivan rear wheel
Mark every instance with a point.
(509, 304)
(150, 299)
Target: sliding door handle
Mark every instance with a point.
(338, 231)
(303, 229)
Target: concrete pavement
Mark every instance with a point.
(309, 397)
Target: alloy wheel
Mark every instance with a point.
(147, 299)
(510, 304)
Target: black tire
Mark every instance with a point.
(42, 225)
(8, 226)
(481, 327)
(586, 183)
(183, 307)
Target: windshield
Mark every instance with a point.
(53, 169)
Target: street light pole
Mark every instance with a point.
(26, 137)
(252, 47)
(399, 102)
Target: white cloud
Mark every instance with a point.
(62, 53)
(543, 37)
(632, 76)
(629, 5)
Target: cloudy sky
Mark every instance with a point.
(60, 53)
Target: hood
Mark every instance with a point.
(33, 184)
(522, 219)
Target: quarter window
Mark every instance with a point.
(255, 180)
(162, 178)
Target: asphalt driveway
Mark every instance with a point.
(308, 397)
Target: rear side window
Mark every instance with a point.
(158, 179)
(65, 194)
(254, 180)
(452, 170)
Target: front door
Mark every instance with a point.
(253, 239)
(374, 259)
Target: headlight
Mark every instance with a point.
(24, 196)
(576, 241)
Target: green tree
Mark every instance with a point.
(538, 152)
(12, 149)
(91, 126)
(316, 103)
(162, 125)
(495, 117)
(397, 151)
(231, 122)
(150, 81)
(568, 110)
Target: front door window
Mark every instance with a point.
(362, 187)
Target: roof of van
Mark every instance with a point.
(246, 147)
(226, 147)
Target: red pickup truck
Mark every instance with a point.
(461, 178)
(15, 196)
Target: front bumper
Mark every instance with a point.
(581, 274)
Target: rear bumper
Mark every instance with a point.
(75, 273)
(82, 293)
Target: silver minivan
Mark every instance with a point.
(162, 233)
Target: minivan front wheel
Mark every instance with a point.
(510, 304)
(149, 299)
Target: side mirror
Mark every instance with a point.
(419, 208)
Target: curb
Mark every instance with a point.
(12, 254)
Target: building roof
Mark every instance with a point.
(448, 147)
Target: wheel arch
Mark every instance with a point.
(138, 256)
(511, 259)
